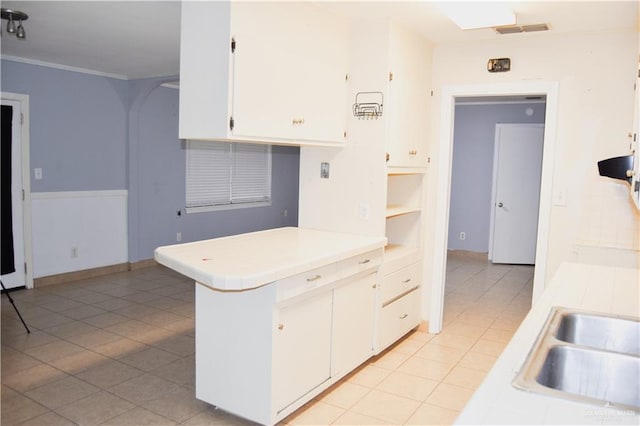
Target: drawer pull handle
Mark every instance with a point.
(363, 262)
(404, 316)
(280, 326)
(406, 281)
(316, 278)
(374, 286)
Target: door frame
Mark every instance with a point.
(494, 183)
(443, 184)
(26, 181)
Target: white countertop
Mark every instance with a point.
(609, 290)
(254, 259)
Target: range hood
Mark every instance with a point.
(617, 168)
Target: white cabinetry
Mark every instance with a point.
(378, 179)
(353, 323)
(400, 303)
(402, 271)
(408, 98)
(262, 353)
(404, 216)
(301, 347)
(272, 72)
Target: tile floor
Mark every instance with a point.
(119, 350)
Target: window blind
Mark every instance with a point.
(227, 173)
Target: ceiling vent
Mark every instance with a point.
(513, 29)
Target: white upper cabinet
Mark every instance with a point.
(408, 98)
(272, 72)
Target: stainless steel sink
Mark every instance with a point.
(585, 357)
(598, 375)
(616, 334)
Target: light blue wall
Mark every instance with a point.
(472, 169)
(96, 133)
(78, 133)
(158, 179)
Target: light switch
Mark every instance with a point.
(37, 173)
(324, 170)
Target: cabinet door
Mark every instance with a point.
(408, 104)
(302, 348)
(353, 324)
(289, 71)
(205, 54)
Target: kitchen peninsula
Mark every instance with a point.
(281, 315)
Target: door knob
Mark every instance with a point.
(500, 204)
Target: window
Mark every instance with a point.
(227, 175)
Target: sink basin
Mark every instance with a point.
(598, 331)
(593, 374)
(585, 357)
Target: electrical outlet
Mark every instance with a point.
(179, 236)
(363, 211)
(463, 236)
(74, 252)
(37, 173)
(285, 213)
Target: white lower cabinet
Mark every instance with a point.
(399, 317)
(399, 303)
(301, 348)
(262, 353)
(353, 324)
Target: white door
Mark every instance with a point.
(17, 278)
(517, 168)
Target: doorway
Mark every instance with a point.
(16, 213)
(443, 185)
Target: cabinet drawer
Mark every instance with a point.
(296, 285)
(401, 281)
(399, 317)
(361, 262)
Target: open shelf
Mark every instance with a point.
(404, 217)
(397, 210)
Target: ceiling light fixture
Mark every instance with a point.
(12, 16)
(478, 14)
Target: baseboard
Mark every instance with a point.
(92, 273)
(474, 255)
(142, 264)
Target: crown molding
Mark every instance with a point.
(63, 67)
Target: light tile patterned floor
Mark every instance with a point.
(119, 350)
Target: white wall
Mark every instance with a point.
(596, 75)
(95, 222)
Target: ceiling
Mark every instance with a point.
(138, 39)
